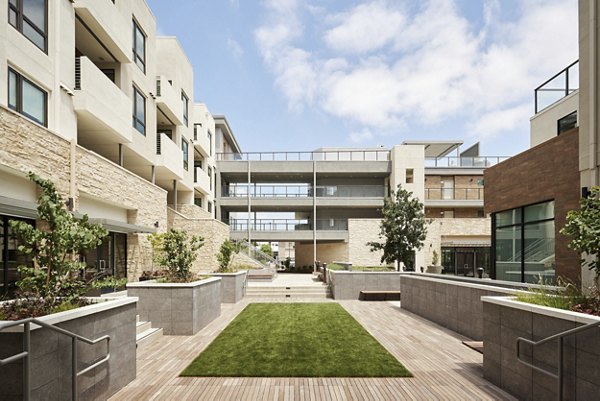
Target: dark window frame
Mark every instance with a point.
(210, 146)
(136, 56)
(19, 97)
(134, 114)
(185, 146)
(559, 129)
(185, 103)
(21, 18)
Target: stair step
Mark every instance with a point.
(287, 296)
(147, 337)
(140, 327)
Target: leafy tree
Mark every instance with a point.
(266, 248)
(225, 256)
(54, 246)
(402, 229)
(175, 252)
(583, 226)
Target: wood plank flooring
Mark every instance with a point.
(443, 368)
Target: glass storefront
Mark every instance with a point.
(10, 257)
(524, 244)
(464, 261)
(108, 259)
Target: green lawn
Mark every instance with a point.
(295, 340)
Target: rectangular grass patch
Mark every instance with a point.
(295, 340)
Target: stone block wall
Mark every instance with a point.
(505, 320)
(348, 284)
(361, 231)
(326, 252)
(233, 286)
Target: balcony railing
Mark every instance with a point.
(305, 191)
(560, 85)
(287, 224)
(454, 193)
(456, 161)
(334, 155)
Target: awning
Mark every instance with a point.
(120, 227)
(18, 208)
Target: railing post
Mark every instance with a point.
(26, 361)
(74, 369)
(560, 369)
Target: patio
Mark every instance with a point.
(443, 367)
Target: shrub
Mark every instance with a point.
(225, 256)
(175, 252)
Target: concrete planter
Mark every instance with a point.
(348, 284)
(506, 319)
(178, 308)
(51, 353)
(434, 269)
(233, 286)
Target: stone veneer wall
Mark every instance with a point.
(453, 304)
(243, 261)
(326, 252)
(348, 284)
(505, 320)
(26, 146)
(361, 231)
(455, 230)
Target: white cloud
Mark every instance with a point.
(362, 136)
(235, 49)
(384, 66)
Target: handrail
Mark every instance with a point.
(25, 355)
(560, 337)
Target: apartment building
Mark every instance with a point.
(100, 104)
(328, 202)
(559, 168)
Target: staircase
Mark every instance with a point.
(145, 334)
(283, 292)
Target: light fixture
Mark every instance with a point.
(156, 224)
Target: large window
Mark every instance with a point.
(524, 244)
(10, 256)
(184, 149)
(209, 172)
(30, 18)
(139, 111)
(26, 98)
(139, 46)
(185, 102)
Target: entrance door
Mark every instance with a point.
(465, 262)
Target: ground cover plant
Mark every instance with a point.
(295, 340)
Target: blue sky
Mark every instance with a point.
(302, 74)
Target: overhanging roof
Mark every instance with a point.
(120, 227)
(18, 208)
(436, 148)
(221, 121)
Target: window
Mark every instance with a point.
(210, 142)
(209, 204)
(184, 149)
(27, 98)
(139, 111)
(185, 101)
(110, 73)
(198, 202)
(210, 177)
(139, 47)
(567, 122)
(410, 175)
(30, 18)
(197, 127)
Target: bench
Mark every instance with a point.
(379, 296)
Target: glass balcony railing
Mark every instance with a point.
(333, 155)
(305, 191)
(454, 193)
(456, 161)
(560, 85)
(286, 224)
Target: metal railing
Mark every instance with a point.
(287, 224)
(462, 161)
(77, 73)
(560, 369)
(304, 191)
(329, 155)
(258, 255)
(454, 193)
(560, 85)
(26, 353)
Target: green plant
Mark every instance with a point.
(225, 256)
(583, 226)
(266, 249)
(109, 282)
(287, 263)
(403, 227)
(435, 258)
(176, 252)
(566, 296)
(54, 246)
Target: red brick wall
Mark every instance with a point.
(545, 172)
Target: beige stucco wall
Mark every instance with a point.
(544, 124)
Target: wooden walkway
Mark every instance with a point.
(443, 368)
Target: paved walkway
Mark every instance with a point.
(443, 368)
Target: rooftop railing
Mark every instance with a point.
(305, 191)
(333, 155)
(457, 161)
(287, 224)
(559, 86)
(454, 193)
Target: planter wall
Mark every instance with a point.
(178, 308)
(348, 285)
(453, 304)
(233, 286)
(506, 319)
(51, 353)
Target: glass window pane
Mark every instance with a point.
(34, 35)
(540, 211)
(539, 252)
(35, 11)
(508, 217)
(12, 17)
(508, 253)
(12, 90)
(34, 102)
(140, 111)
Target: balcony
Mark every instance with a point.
(168, 100)
(454, 197)
(348, 155)
(460, 161)
(201, 141)
(103, 110)
(102, 22)
(289, 229)
(559, 86)
(169, 159)
(201, 181)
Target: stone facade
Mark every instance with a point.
(348, 285)
(549, 171)
(243, 261)
(233, 286)
(361, 231)
(326, 252)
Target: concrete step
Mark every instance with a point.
(276, 295)
(140, 327)
(147, 337)
(282, 288)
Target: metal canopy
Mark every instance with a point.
(120, 227)
(436, 148)
(18, 208)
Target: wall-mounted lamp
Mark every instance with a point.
(156, 224)
(69, 204)
(585, 192)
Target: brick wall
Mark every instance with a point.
(545, 172)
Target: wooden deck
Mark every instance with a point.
(443, 368)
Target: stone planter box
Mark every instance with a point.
(51, 353)
(506, 319)
(178, 308)
(348, 284)
(233, 286)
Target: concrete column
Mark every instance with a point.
(249, 202)
(121, 154)
(314, 215)
(175, 194)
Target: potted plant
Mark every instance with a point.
(50, 289)
(434, 268)
(233, 281)
(181, 303)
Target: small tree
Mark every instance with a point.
(583, 226)
(175, 252)
(403, 227)
(55, 248)
(225, 256)
(266, 248)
